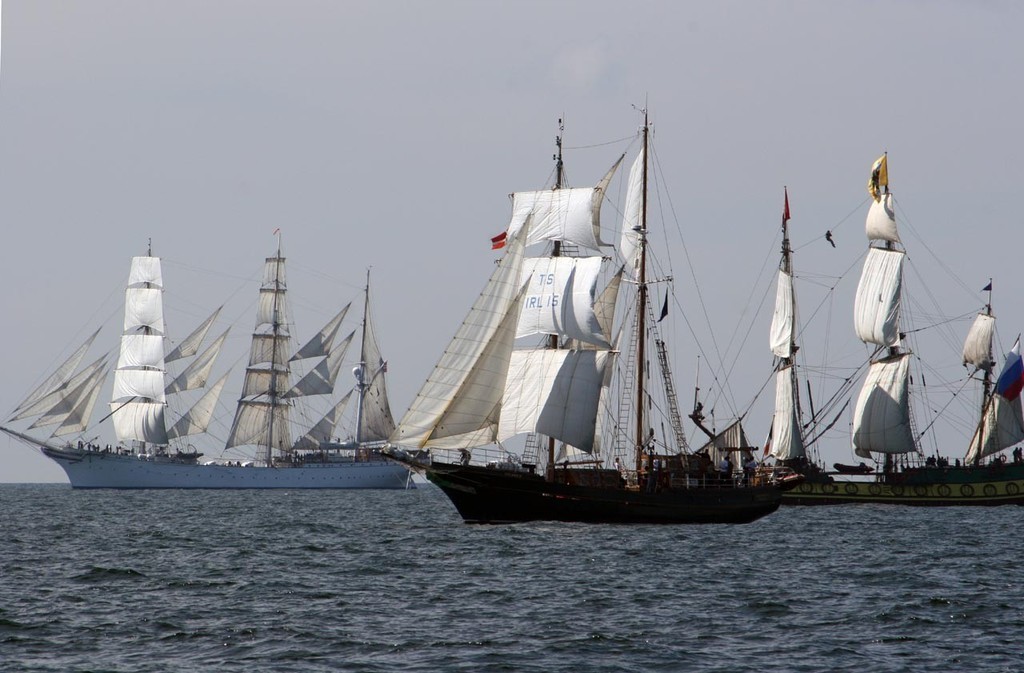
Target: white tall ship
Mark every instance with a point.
(152, 448)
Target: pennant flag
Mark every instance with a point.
(879, 177)
(785, 208)
(1011, 379)
(664, 309)
(768, 441)
(499, 241)
(987, 288)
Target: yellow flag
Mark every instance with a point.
(879, 177)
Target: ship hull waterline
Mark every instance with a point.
(91, 469)
(982, 486)
(488, 495)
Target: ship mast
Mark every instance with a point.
(275, 331)
(556, 252)
(361, 384)
(641, 307)
(986, 384)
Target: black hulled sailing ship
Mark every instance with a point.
(582, 396)
(891, 466)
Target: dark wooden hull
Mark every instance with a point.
(489, 495)
(983, 486)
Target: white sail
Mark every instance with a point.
(137, 399)
(144, 308)
(252, 425)
(458, 405)
(141, 350)
(197, 419)
(146, 271)
(560, 298)
(787, 438)
(554, 393)
(70, 389)
(881, 221)
(726, 443)
(269, 348)
(139, 420)
(320, 344)
(629, 242)
(978, 345)
(877, 304)
(138, 383)
(322, 431)
(881, 418)
(198, 371)
(376, 423)
(784, 318)
(64, 405)
(1001, 426)
(320, 380)
(262, 416)
(190, 344)
(604, 307)
(78, 419)
(60, 377)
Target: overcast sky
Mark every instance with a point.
(388, 135)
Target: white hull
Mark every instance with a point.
(93, 469)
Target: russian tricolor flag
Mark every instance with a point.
(1011, 379)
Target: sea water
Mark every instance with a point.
(394, 581)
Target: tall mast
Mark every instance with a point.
(986, 384)
(361, 384)
(641, 307)
(556, 252)
(275, 330)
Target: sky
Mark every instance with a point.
(387, 136)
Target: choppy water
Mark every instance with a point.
(393, 581)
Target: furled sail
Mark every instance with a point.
(190, 344)
(877, 304)
(197, 419)
(784, 318)
(198, 371)
(560, 298)
(375, 420)
(978, 345)
(787, 439)
(1001, 426)
(881, 418)
(138, 400)
(459, 404)
(320, 344)
(554, 393)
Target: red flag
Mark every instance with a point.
(499, 241)
(785, 208)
